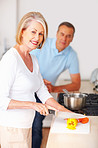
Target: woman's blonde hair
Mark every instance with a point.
(25, 22)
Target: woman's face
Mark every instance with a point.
(33, 35)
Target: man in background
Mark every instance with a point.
(55, 57)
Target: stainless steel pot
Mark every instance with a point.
(75, 101)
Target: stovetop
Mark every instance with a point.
(91, 107)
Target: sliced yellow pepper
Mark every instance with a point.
(71, 123)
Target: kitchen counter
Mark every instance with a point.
(70, 140)
(86, 86)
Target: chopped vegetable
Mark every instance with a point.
(71, 123)
(83, 120)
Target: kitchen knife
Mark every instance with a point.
(51, 111)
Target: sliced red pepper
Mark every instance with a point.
(83, 120)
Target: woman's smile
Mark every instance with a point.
(34, 42)
(33, 36)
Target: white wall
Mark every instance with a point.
(7, 24)
(83, 14)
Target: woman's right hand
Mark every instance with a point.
(41, 108)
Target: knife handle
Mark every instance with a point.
(51, 111)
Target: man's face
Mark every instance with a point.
(64, 37)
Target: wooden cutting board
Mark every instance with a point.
(59, 124)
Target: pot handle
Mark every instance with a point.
(64, 94)
(85, 94)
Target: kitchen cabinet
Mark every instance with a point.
(73, 140)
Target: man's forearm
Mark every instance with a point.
(69, 87)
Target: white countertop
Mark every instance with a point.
(70, 140)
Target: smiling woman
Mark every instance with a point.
(21, 79)
(33, 36)
(25, 22)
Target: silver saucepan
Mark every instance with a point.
(75, 101)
